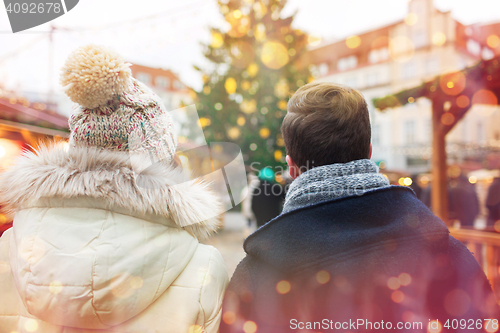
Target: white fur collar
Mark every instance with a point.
(56, 172)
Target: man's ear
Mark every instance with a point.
(292, 167)
(371, 149)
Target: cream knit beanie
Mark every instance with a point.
(115, 111)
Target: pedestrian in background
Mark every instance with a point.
(267, 198)
(493, 202)
(246, 205)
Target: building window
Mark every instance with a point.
(409, 132)
(378, 55)
(162, 82)
(347, 63)
(408, 70)
(144, 78)
(323, 69)
(372, 79)
(419, 38)
(178, 85)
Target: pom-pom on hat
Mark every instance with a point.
(115, 111)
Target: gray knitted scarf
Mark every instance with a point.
(333, 181)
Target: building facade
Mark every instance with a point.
(427, 43)
(165, 84)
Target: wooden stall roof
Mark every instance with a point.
(479, 84)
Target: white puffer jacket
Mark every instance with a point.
(98, 246)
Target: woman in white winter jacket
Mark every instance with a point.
(105, 235)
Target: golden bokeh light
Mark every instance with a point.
(229, 317)
(31, 325)
(195, 329)
(322, 277)
(401, 49)
(278, 155)
(264, 132)
(207, 90)
(242, 54)
(217, 40)
(434, 326)
(245, 85)
(281, 89)
(282, 105)
(492, 327)
(411, 100)
(393, 283)
(136, 282)
(248, 106)
(411, 19)
(493, 41)
(252, 69)
(407, 181)
(120, 286)
(55, 287)
(404, 279)
(438, 38)
(241, 121)
(249, 327)
(230, 85)
(353, 42)
(472, 179)
(234, 133)
(313, 40)
(283, 287)
(204, 122)
(397, 296)
(452, 84)
(274, 55)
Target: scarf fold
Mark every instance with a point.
(333, 181)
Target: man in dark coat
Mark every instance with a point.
(350, 252)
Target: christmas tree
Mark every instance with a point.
(255, 69)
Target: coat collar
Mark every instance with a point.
(116, 178)
(343, 228)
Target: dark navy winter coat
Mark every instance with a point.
(366, 259)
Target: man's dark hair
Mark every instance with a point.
(326, 124)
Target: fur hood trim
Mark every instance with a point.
(118, 178)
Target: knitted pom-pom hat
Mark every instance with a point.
(115, 111)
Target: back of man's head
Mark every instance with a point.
(326, 124)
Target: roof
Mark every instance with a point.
(479, 84)
(19, 110)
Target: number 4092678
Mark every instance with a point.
(34, 8)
